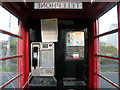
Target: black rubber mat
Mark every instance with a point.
(43, 81)
(74, 83)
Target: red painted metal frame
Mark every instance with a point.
(27, 57)
(97, 45)
(8, 82)
(11, 57)
(24, 55)
(10, 33)
(106, 56)
(19, 51)
(92, 59)
(108, 80)
(118, 5)
(97, 56)
(106, 33)
(25, 34)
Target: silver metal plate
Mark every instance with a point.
(47, 59)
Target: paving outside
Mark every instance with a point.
(5, 76)
(114, 76)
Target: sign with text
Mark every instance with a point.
(49, 30)
(75, 55)
(58, 5)
(75, 38)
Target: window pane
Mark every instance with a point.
(8, 22)
(109, 21)
(0, 72)
(110, 68)
(104, 84)
(8, 45)
(109, 45)
(8, 69)
(15, 85)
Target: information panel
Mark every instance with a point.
(75, 42)
(75, 38)
(49, 30)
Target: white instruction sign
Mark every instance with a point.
(49, 30)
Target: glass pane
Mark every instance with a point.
(1, 73)
(109, 45)
(8, 45)
(110, 68)
(15, 85)
(8, 22)
(109, 21)
(75, 38)
(104, 84)
(8, 69)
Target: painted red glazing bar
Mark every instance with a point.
(106, 33)
(97, 51)
(19, 52)
(27, 56)
(11, 57)
(5, 84)
(118, 9)
(94, 58)
(10, 33)
(106, 56)
(108, 80)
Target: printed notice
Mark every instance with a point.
(49, 30)
(75, 38)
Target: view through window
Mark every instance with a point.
(108, 50)
(10, 56)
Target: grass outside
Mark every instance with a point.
(109, 61)
(109, 69)
(9, 68)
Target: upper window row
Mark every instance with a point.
(108, 44)
(109, 21)
(8, 22)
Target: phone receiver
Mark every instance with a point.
(35, 57)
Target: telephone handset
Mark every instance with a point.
(35, 57)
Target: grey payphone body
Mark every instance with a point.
(42, 59)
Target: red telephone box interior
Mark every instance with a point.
(68, 20)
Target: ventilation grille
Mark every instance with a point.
(47, 72)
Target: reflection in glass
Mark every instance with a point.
(0, 72)
(8, 22)
(110, 68)
(14, 84)
(109, 21)
(8, 45)
(105, 84)
(109, 45)
(9, 69)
